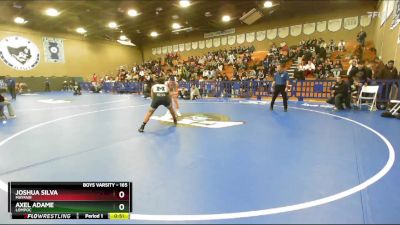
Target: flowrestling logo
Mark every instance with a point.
(19, 53)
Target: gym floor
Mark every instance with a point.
(308, 165)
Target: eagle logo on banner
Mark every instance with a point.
(19, 53)
(396, 16)
(53, 50)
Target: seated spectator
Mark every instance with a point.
(299, 72)
(320, 73)
(5, 102)
(194, 92)
(77, 89)
(309, 69)
(340, 91)
(337, 68)
(363, 73)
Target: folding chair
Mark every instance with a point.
(368, 90)
(396, 108)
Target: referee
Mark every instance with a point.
(280, 85)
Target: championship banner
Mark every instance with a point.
(261, 35)
(188, 46)
(334, 25)
(202, 44)
(224, 40)
(250, 37)
(231, 40)
(321, 26)
(53, 50)
(272, 33)
(159, 51)
(175, 48)
(164, 50)
(283, 32)
(349, 23)
(209, 43)
(170, 49)
(295, 30)
(396, 15)
(195, 45)
(308, 28)
(365, 20)
(153, 51)
(216, 42)
(240, 38)
(181, 47)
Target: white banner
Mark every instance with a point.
(188, 46)
(396, 15)
(231, 40)
(295, 30)
(271, 34)
(321, 26)
(176, 48)
(195, 45)
(283, 32)
(209, 43)
(308, 28)
(181, 47)
(365, 20)
(202, 44)
(250, 37)
(169, 48)
(219, 33)
(334, 25)
(383, 14)
(153, 51)
(224, 40)
(261, 35)
(240, 38)
(164, 50)
(53, 50)
(159, 51)
(216, 42)
(349, 23)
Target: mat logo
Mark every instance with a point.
(207, 120)
(53, 101)
(19, 53)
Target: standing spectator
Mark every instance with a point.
(361, 37)
(11, 87)
(47, 85)
(389, 72)
(280, 85)
(341, 46)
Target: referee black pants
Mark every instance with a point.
(280, 89)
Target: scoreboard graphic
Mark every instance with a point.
(70, 200)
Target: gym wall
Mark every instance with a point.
(347, 35)
(83, 57)
(385, 39)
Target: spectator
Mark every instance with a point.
(309, 69)
(389, 72)
(5, 102)
(340, 91)
(47, 85)
(341, 46)
(361, 37)
(11, 88)
(194, 92)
